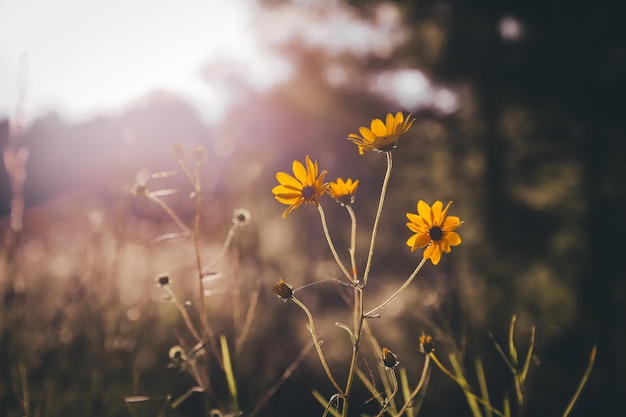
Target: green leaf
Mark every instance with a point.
(230, 375)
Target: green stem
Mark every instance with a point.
(183, 313)
(196, 244)
(318, 344)
(393, 393)
(377, 219)
(466, 388)
(582, 383)
(170, 212)
(358, 326)
(352, 242)
(332, 246)
(419, 386)
(223, 249)
(398, 291)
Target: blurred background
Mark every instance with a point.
(519, 120)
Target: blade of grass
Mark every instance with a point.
(502, 354)
(230, 375)
(507, 406)
(512, 350)
(463, 384)
(324, 402)
(482, 383)
(369, 385)
(178, 401)
(406, 391)
(471, 400)
(529, 356)
(582, 383)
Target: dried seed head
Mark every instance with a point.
(163, 280)
(390, 360)
(198, 153)
(241, 216)
(283, 290)
(426, 344)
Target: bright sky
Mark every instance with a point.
(84, 56)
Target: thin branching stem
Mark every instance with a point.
(377, 219)
(393, 393)
(196, 244)
(332, 246)
(170, 213)
(318, 346)
(183, 312)
(352, 242)
(286, 374)
(358, 325)
(223, 249)
(398, 291)
(187, 172)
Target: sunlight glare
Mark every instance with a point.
(411, 89)
(86, 57)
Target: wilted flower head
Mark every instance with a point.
(198, 153)
(303, 188)
(343, 191)
(390, 360)
(426, 344)
(283, 290)
(382, 136)
(433, 227)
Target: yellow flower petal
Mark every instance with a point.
(391, 123)
(428, 252)
(300, 172)
(436, 213)
(286, 179)
(453, 238)
(367, 134)
(382, 136)
(451, 223)
(421, 240)
(423, 209)
(433, 228)
(379, 128)
(435, 256)
(306, 187)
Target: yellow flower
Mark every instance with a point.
(433, 227)
(343, 192)
(306, 187)
(382, 136)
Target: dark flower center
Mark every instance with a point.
(435, 233)
(308, 192)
